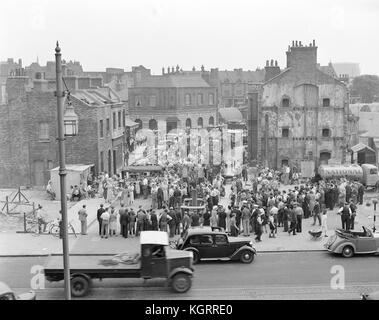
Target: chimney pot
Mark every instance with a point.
(276, 63)
(293, 43)
(272, 62)
(163, 70)
(267, 63)
(314, 42)
(296, 43)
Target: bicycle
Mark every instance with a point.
(55, 228)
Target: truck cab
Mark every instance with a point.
(370, 175)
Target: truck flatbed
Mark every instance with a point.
(93, 266)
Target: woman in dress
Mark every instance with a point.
(214, 217)
(131, 193)
(228, 216)
(112, 222)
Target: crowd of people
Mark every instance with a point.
(254, 206)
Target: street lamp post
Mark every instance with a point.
(62, 170)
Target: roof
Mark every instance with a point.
(368, 122)
(368, 166)
(364, 107)
(99, 96)
(202, 230)
(154, 237)
(359, 147)
(143, 168)
(329, 70)
(173, 81)
(75, 167)
(243, 76)
(230, 114)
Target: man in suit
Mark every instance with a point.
(124, 221)
(83, 219)
(99, 213)
(160, 197)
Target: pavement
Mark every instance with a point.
(21, 244)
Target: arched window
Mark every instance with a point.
(188, 123)
(188, 99)
(285, 102)
(153, 124)
(211, 121)
(139, 121)
(200, 122)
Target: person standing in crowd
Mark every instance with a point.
(299, 217)
(233, 226)
(214, 217)
(112, 222)
(83, 219)
(353, 209)
(324, 222)
(105, 223)
(285, 217)
(154, 221)
(361, 190)
(178, 220)
(316, 213)
(293, 220)
(132, 224)
(206, 219)
(172, 222)
(124, 221)
(272, 225)
(40, 219)
(131, 192)
(222, 218)
(246, 220)
(160, 197)
(141, 216)
(258, 226)
(186, 221)
(195, 219)
(345, 213)
(99, 213)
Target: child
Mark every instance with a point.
(272, 226)
(324, 219)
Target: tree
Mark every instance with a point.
(367, 87)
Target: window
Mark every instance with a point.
(206, 239)
(200, 99)
(200, 122)
(188, 123)
(285, 103)
(373, 171)
(195, 240)
(187, 99)
(123, 118)
(285, 132)
(101, 129)
(114, 121)
(325, 133)
(138, 101)
(326, 102)
(108, 125)
(43, 131)
(211, 99)
(211, 121)
(220, 239)
(102, 161)
(119, 119)
(152, 101)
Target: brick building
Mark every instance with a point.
(28, 129)
(7, 68)
(172, 100)
(302, 113)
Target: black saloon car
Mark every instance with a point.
(208, 244)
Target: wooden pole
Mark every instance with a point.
(24, 222)
(7, 205)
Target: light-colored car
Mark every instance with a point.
(7, 293)
(348, 243)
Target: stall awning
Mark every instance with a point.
(143, 168)
(360, 147)
(230, 114)
(172, 119)
(130, 123)
(75, 167)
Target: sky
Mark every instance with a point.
(220, 34)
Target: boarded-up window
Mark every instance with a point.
(43, 131)
(285, 102)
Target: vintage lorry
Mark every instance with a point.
(367, 174)
(155, 260)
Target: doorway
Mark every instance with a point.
(324, 157)
(38, 169)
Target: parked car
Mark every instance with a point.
(7, 293)
(208, 244)
(353, 242)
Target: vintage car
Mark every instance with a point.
(353, 242)
(7, 293)
(208, 244)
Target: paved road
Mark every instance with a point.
(305, 275)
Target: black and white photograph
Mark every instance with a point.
(199, 152)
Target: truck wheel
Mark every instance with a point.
(247, 256)
(79, 286)
(347, 251)
(181, 282)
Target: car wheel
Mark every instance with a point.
(181, 282)
(79, 286)
(347, 251)
(247, 256)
